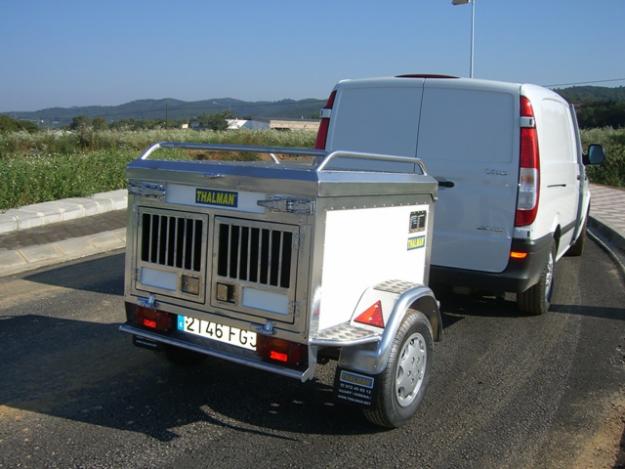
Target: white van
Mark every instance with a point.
(513, 195)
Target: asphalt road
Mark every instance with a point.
(507, 391)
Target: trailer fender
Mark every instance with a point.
(372, 358)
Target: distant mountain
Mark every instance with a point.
(286, 108)
(590, 94)
(177, 109)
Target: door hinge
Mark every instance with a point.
(295, 306)
(280, 203)
(298, 239)
(147, 189)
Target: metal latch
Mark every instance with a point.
(287, 204)
(147, 189)
(149, 302)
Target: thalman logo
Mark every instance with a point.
(416, 242)
(221, 198)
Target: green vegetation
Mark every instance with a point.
(48, 165)
(8, 124)
(612, 172)
(601, 114)
(592, 94)
(597, 106)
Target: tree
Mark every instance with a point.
(99, 123)
(215, 121)
(8, 124)
(80, 123)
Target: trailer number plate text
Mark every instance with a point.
(354, 388)
(220, 332)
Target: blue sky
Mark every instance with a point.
(73, 53)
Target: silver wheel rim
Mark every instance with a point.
(410, 369)
(549, 277)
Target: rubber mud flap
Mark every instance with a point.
(354, 388)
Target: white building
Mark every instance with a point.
(238, 124)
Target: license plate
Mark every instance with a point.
(220, 332)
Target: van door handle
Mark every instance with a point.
(442, 182)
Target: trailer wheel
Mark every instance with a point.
(182, 357)
(402, 385)
(536, 300)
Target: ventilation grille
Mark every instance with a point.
(257, 255)
(172, 241)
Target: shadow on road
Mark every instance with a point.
(593, 311)
(454, 307)
(89, 372)
(99, 275)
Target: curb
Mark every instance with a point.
(30, 216)
(607, 232)
(43, 255)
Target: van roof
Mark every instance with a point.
(451, 82)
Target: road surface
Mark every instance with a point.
(507, 391)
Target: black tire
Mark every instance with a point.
(536, 300)
(183, 357)
(387, 411)
(578, 248)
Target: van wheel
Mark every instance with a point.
(402, 385)
(182, 357)
(578, 248)
(536, 300)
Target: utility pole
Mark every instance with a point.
(472, 2)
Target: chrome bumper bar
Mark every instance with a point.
(295, 374)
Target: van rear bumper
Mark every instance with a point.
(518, 276)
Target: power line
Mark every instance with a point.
(583, 82)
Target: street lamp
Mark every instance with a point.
(472, 2)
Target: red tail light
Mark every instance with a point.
(324, 125)
(372, 316)
(153, 319)
(529, 171)
(282, 351)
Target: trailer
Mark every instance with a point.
(285, 263)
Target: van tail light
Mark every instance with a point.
(281, 351)
(372, 316)
(529, 170)
(324, 125)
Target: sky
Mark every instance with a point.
(74, 53)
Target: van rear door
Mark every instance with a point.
(377, 116)
(469, 139)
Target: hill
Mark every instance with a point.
(177, 109)
(591, 94)
(155, 109)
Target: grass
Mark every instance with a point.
(53, 165)
(36, 167)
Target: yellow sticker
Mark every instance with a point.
(416, 242)
(221, 198)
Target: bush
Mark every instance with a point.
(612, 172)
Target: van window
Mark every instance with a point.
(557, 137)
(461, 125)
(377, 120)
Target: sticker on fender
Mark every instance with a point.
(354, 388)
